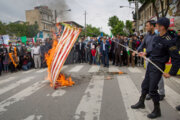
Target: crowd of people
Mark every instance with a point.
(101, 50)
(98, 50)
(23, 56)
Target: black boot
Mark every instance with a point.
(178, 108)
(140, 103)
(156, 112)
(148, 97)
(162, 97)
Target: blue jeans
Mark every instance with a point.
(93, 60)
(27, 66)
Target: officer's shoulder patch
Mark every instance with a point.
(168, 37)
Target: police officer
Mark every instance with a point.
(147, 43)
(159, 55)
(175, 50)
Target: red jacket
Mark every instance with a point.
(93, 52)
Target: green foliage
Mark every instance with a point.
(129, 26)
(19, 29)
(117, 26)
(92, 31)
(113, 21)
(2, 28)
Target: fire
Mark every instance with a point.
(61, 81)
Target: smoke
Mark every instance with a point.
(60, 6)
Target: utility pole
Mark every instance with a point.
(55, 14)
(85, 25)
(137, 15)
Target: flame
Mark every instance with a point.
(14, 58)
(61, 81)
(121, 72)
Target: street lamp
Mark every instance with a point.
(136, 13)
(127, 6)
(68, 10)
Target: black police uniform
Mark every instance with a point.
(163, 49)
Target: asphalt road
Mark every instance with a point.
(98, 94)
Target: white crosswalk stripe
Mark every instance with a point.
(94, 69)
(29, 71)
(172, 97)
(134, 70)
(21, 95)
(76, 68)
(90, 104)
(59, 92)
(14, 85)
(175, 79)
(64, 67)
(7, 80)
(33, 117)
(40, 71)
(113, 69)
(130, 95)
(91, 101)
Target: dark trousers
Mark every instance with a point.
(11, 66)
(113, 58)
(105, 58)
(81, 56)
(1, 68)
(118, 58)
(124, 58)
(151, 80)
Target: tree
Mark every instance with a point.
(2, 28)
(129, 26)
(117, 26)
(163, 10)
(32, 30)
(18, 30)
(113, 21)
(92, 31)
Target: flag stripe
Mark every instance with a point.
(62, 50)
(67, 50)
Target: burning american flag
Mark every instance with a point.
(56, 57)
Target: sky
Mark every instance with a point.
(98, 11)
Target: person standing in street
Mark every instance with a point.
(36, 55)
(147, 43)
(160, 54)
(104, 52)
(178, 52)
(81, 50)
(93, 52)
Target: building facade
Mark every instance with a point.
(44, 18)
(146, 12)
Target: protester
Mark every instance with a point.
(6, 61)
(26, 65)
(104, 52)
(98, 55)
(93, 52)
(36, 55)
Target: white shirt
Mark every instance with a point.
(80, 45)
(104, 48)
(35, 50)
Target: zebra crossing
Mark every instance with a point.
(88, 105)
